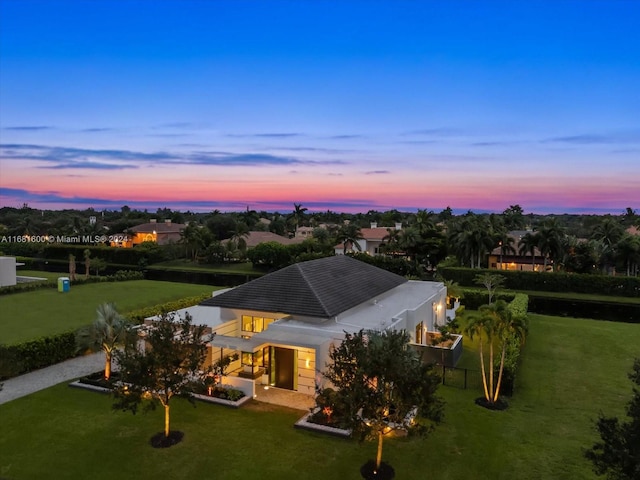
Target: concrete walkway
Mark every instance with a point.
(48, 377)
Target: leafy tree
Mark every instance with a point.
(108, 330)
(383, 386)
(98, 264)
(617, 454)
(269, 255)
(491, 281)
(176, 350)
(628, 250)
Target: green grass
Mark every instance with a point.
(29, 315)
(185, 265)
(571, 369)
(40, 274)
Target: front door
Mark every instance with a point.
(284, 367)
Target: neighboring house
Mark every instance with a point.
(255, 238)
(372, 239)
(162, 233)
(515, 261)
(282, 325)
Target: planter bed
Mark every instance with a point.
(222, 401)
(88, 386)
(304, 424)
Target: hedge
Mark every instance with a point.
(138, 316)
(34, 354)
(139, 255)
(551, 281)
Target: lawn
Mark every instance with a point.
(571, 369)
(29, 315)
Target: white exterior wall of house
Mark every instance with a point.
(401, 308)
(7, 271)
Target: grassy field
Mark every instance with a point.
(571, 369)
(29, 315)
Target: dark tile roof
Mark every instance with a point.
(317, 288)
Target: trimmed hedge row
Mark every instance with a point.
(138, 316)
(34, 354)
(120, 276)
(140, 255)
(551, 281)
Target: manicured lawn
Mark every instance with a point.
(29, 315)
(571, 369)
(185, 265)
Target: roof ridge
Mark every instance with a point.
(315, 294)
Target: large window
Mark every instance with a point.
(255, 324)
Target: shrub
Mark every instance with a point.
(34, 354)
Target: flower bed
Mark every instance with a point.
(307, 423)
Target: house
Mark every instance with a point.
(282, 325)
(162, 233)
(513, 260)
(372, 239)
(255, 238)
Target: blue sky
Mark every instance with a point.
(348, 106)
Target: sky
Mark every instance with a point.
(342, 105)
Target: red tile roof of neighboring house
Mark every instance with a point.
(256, 238)
(375, 233)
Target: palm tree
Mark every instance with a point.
(608, 232)
(240, 235)
(550, 239)
(528, 244)
(628, 249)
(479, 325)
(108, 330)
(348, 235)
(391, 241)
(509, 327)
(298, 214)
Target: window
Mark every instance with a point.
(255, 324)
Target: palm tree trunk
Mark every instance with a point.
(379, 454)
(107, 365)
(484, 375)
(166, 420)
(490, 370)
(497, 393)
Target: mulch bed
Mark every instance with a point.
(160, 441)
(499, 405)
(369, 472)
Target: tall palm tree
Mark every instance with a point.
(550, 240)
(608, 232)
(508, 327)
(628, 249)
(479, 325)
(240, 235)
(528, 244)
(108, 330)
(348, 235)
(391, 241)
(298, 214)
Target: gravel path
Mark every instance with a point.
(47, 377)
